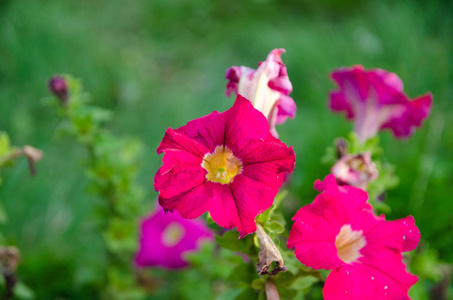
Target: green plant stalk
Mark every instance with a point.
(111, 168)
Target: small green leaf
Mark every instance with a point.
(285, 279)
(258, 284)
(304, 282)
(275, 227)
(262, 218)
(3, 216)
(242, 273)
(285, 293)
(230, 241)
(22, 291)
(209, 219)
(248, 294)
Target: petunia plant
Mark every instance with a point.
(232, 166)
(111, 165)
(218, 228)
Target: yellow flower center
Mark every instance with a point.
(172, 234)
(221, 165)
(349, 242)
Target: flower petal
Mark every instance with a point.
(399, 235)
(252, 198)
(417, 110)
(238, 204)
(286, 108)
(181, 167)
(361, 281)
(375, 100)
(208, 130)
(233, 74)
(192, 203)
(269, 154)
(317, 225)
(267, 88)
(178, 140)
(243, 125)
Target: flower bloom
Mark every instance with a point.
(225, 163)
(355, 169)
(375, 100)
(339, 232)
(267, 87)
(165, 238)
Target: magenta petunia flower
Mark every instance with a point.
(225, 163)
(355, 169)
(165, 239)
(268, 87)
(339, 232)
(375, 100)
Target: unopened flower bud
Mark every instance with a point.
(341, 146)
(356, 170)
(59, 87)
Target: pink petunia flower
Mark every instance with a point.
(356, 170)
(166, 238)
(225, 163)
(268, 87)
(339, 232)
(375, 100)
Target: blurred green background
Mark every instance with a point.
(161, 63)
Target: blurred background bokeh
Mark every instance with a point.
(161, 63)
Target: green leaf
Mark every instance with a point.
(248, 294)
(275, 227)
(285, 279)
(209, 219)
(5, 144)
(230, 241)
(262, 218)
(285, 293)
(244, 272)
(304, 282)
(3, 216)
(121, 236)
(22, 291)
(258, 284)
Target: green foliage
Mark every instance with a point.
(21, 291)
(229, 240)
(112, 167)
(6, 151)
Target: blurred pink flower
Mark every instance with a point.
(165, 239)
(267, 88)
(339, 232)
(225, 163)
(375, 100)
(356, 170)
